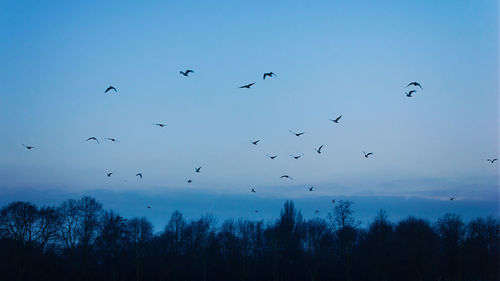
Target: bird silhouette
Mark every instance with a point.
(197, 169)
(28, 147)
(149, 207)
(189, 181)
(333, 201)
(336, 120)
(93, 138)
(310, 188)
(367, 154)
(139, 175)
(255, 142)
(253, 190)
(110, 88)
(272, 156)
(109, 174)
(286, 176)
(160, 125)
(416, 84)
(492, 160)
(319, 149)
(452, 198)
(268, 74)
(297, 134)
(408, 94)
(112, 139)
(186, 73)
(247, 86)
(256, 211)
(316, 212)
(297, 156)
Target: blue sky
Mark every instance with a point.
(330, 57)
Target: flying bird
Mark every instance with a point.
(336, 120)
(255, 142)
(367, 154)
(189, 181)
(31, 147)
(111, 139)
(319, 149)
(256, 211)
(268, 74)
(416, 84)
(110, 88)
(160, 125)
(297, 156)
(492, 160)
(452, 198)
(311, 188)
(186, 73)
(333, 201)
(247, 86)
(197, 169)
(109, 174)
(149, 207)
(316, 212)
(408, 94)
(272, 156)
(93, 138)
(297, 134)
(139, 175)
(253, 190)
(286, 176)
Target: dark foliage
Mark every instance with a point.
(80, 241)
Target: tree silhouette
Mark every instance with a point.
(80, 241)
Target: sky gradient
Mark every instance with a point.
(331, 58)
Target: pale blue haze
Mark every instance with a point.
(331, 57)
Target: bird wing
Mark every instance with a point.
(320, 147)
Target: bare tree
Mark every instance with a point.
(342, 220)
(451, 230)
(18, 222)
(141, 231)
(69, 221)
(342, 215)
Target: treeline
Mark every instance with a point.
(78, 240)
